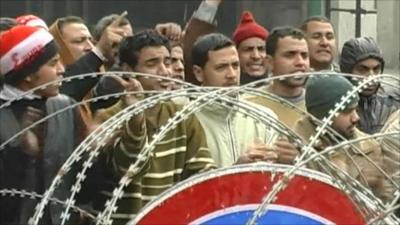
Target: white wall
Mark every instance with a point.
(383, 27)
(389, 32)
(344, 22)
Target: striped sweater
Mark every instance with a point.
(180, 154)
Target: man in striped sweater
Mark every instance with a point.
(180, 154)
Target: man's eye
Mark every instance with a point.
(330, 36)
(316, 36)
(168, 62)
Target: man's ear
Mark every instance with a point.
(198, 73)
(28, 82)
(28, 79)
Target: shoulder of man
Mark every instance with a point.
(368, 145)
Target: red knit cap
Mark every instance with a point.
(32, 20)
(23, 50)
(248, 28)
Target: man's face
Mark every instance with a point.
(368, 67)
(222, 68)
(177, 65)
(291, 56)
(51, 71)
(252, 57)
(346, 121)
(321, 44)
(154, 60)
(77, 38)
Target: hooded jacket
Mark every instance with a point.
(375, 109)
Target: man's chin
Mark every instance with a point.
(323, 61)
(294, 82)
(369, 91)
(323, 57)
(350, 133)
(230, 85)
(256, 74)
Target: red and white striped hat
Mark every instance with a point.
(23, 50)
(32, 20)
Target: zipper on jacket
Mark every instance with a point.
(231, 139)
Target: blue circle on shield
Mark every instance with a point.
(276, 215)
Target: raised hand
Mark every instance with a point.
(111, 37)
(130, 85)
(172, 31)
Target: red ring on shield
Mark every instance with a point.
(309, 191)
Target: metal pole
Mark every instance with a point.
(358, 18)
(328, 9)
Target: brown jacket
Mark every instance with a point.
(391, 146)
(287, 115)
(354, 163)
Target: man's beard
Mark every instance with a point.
(349, 132)
(290, 83)
(370, 92)
(246, 78)
(366, 93)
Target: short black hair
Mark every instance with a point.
(105, 22)
(322, 19)
(7, 23)
(206, 43)
(131, 46)
(281, 32)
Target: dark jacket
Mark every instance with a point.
(22, 170)
(354, 163)
(78, 89)
(374, 111)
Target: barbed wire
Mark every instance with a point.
(320, 130)
(203, 96)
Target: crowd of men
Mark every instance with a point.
(33, 54)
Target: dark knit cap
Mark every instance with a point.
(324, 92)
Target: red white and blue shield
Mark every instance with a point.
(231, 195)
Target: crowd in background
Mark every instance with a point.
(33, 53)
